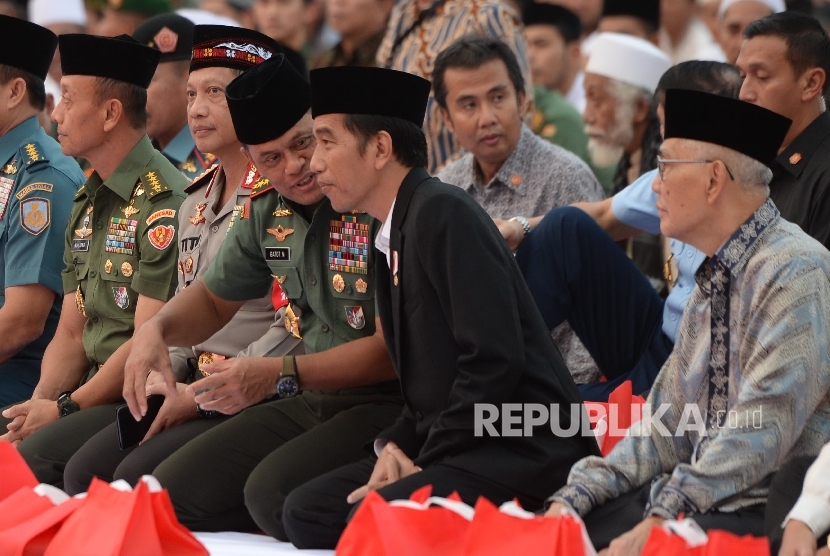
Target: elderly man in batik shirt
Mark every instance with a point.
(746, 388)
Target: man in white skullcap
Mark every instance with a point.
(735, 15)
(621, 121)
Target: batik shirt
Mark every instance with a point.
(411, 45)
(746, 387)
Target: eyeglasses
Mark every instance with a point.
(661, 165)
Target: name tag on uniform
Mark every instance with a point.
(80, 245)
(277, 253)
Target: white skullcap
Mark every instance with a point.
(204, 17)
(628, 59)
(776, 6)
(47, 12)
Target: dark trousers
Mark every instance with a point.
(783, 494)
(316, 513)
(236, 476)
(47, 450)
(577, 273)
(618, 516)
(103, 457)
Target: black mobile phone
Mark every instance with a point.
(130, 431)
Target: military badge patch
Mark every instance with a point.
(122, 299)
(161, 237)
(121, 236)
(41, 186)
(355, 317)
(35, 214)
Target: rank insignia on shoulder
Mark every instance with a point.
(121, 297)
(161, 236)
(279, 232)
(154, 183)
(33, 153)
(188, 166)
(355, 317)
(35, 214)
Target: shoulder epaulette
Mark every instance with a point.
(33, 158)
(154, 183)
(256, 182)
(80, 194)
(203, 178)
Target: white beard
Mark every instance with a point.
(604, 154)
(607, 150)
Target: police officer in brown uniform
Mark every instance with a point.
(120, 252)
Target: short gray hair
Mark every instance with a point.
(747, 171)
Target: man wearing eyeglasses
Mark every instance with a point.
(745, 389)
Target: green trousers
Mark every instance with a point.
(237, 475)
(47, 450)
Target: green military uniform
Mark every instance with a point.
(120, 242)
(37, 183)
(557, 121)
(326, 268)
(185, 156)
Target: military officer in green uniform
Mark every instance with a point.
(120, 252)
(172, 35)
(37, 184)
(322, 407)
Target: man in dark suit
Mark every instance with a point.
(460, 324)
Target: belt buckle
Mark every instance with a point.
(206, 358)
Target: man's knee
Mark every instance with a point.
(265, 493)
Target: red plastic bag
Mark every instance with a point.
(116, 522)
(14, 470)
(406, 528)
(665, 543)
(621, 411)
(496, 533)
(23, 505)
(31, 537)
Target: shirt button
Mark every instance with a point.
(312, 237)
(313, 281)
(325, 328)
(349, 290)
(674, 317)
(672, 243)
(92, 273)
(99, 225)
(688, 289)
(691, 254)
(94, 318)
(214, 229)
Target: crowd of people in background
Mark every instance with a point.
(313, 226)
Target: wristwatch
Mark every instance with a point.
(288, 386)
(523, 223)
(66, 405)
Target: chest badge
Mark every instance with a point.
(84, 232)
(361, 286)
(282, 211)
(198, 218)
(355, 317)
(9, 169)
(280, 233)
(126, 269)
(338, 283)
(130, 210)
(120, 296)
(108, 266)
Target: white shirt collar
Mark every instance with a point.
(383, 237)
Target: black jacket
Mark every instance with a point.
(462, 328)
